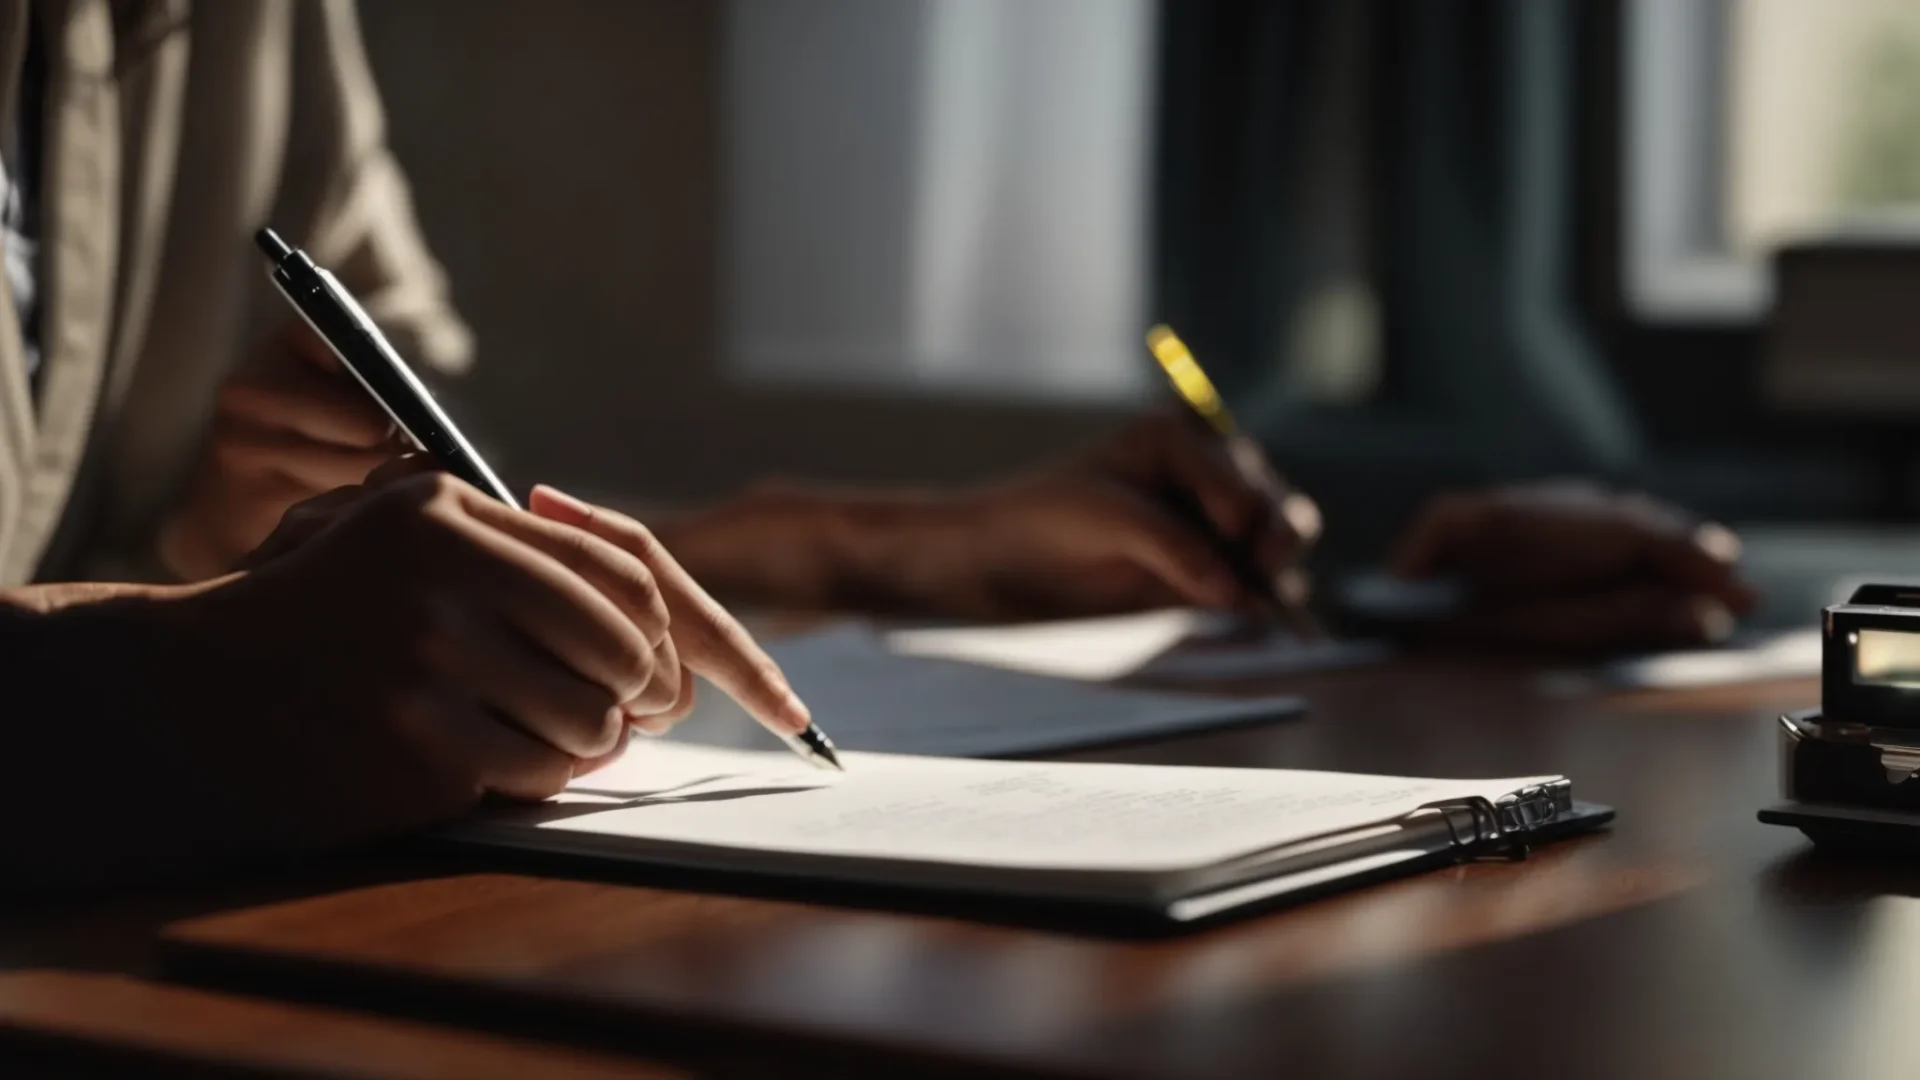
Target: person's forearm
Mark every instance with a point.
(795, 547)
(93, 769)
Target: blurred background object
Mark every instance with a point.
(938, 197)
(1754, 123)
(1421, 245)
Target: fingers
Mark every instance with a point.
(1608, 540)
(1126, 525)
(522, 684)
(1699, 557)
(1520, 542)
(1684, 563)
(505, 760)
(313, 404)
(494, 757)
(1641, 617)
(1286, 523)
(247, 449)
(1237, 490)
(662, 691)
(709, 639)
(541, 598)
(656, 717)
(682, 706)
(584, 766)
(617, 573)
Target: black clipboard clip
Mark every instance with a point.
(1500, 830)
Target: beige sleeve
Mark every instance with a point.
(346, 199)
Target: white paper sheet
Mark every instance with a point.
(1173, 644)
(1034, 815)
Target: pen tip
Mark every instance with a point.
(825, 752)
(813, 744)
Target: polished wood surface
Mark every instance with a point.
(1691, 941)
(65, 1024)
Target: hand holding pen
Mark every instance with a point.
(1262, 552)
(706, 638)
(593, 562)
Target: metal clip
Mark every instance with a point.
(1484, 828)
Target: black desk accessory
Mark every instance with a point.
(1850, 769)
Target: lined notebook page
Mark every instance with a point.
(1035, 815)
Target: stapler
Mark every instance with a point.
(1850, 769)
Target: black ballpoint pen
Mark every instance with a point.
(364, 351)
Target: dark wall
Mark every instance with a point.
(565, 161)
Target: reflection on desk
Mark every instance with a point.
(56, 1023)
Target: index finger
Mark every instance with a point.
(710, 640)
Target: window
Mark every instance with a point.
(939, 194)
(1752, 123)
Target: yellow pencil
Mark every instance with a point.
(1189, 381)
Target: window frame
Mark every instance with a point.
(1677, 268)
(1692, 377)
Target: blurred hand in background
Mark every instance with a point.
(288, 426)
(1570, 567)
(1161, 514)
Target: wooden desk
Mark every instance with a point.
(1691, 942)
(65, 1024)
